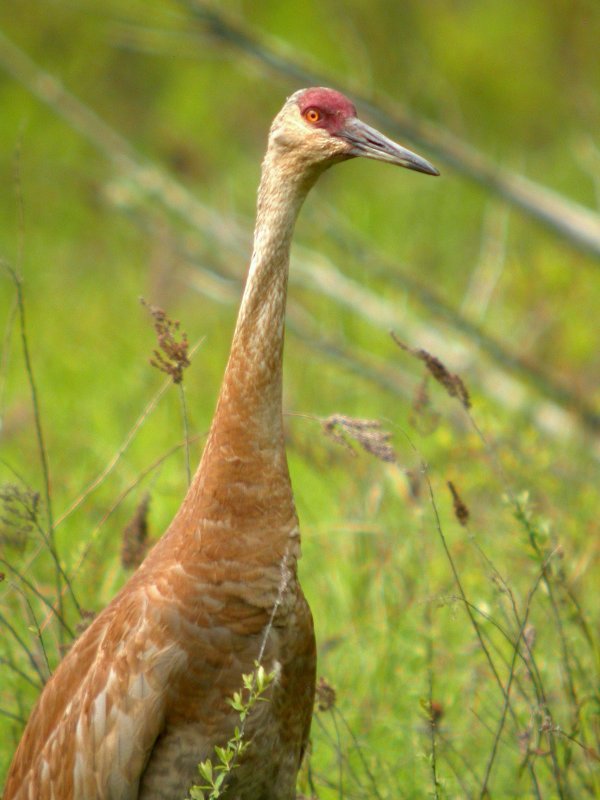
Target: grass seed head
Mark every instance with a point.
(135, 536)
(20, 512)
(367, 433)
(325, 696)
(461, 511)
(172, 356)
(452, 383)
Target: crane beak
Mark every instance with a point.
(367, 142)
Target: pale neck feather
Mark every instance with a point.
(251, 393)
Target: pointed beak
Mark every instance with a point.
(367, 142)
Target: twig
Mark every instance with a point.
(49, 536)
(340, 759)
(99, 479)
(24, 647)
(525, 522)
(484, 790)
(12, 716)
(374, 788)
(466, 766)
(40, 637)
(458, 582)
(122, 449)
(140, 477)
(21, 673)
(432, 721)
(33, 588)
(4, 358)
(545, 577)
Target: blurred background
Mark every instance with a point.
(458, 628)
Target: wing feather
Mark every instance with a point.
(93, 729)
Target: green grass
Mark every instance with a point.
(421, 686)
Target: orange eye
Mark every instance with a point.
(312, 115)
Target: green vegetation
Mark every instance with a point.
(214, 773)
(450, 535)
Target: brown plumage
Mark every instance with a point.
(142, 695)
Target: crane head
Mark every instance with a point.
(321, 126)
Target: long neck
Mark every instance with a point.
(251, 390)
(243, 482)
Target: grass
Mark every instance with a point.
(451, 565)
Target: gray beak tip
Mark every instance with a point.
(421, 165)
(370, 143)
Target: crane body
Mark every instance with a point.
(142, 696)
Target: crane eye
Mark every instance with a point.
(313, 115)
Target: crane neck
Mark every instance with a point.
(243, 476)
(240, 502)
(242, 484)
(251, 393)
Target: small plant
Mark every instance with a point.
(19, 515)
(325, 695)
(214, 772)
(452, 383)
(172, 356)
(135, 542)
(461, 510)
(368, 433)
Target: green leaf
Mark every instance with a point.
(206, 770)
(225, 754)
(219, 780)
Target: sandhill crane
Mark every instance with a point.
(142, 695)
